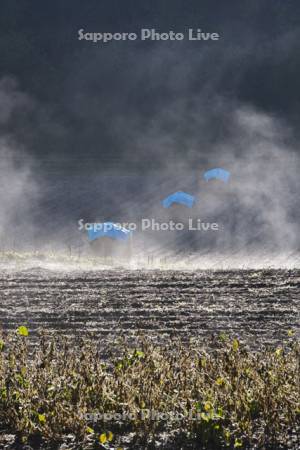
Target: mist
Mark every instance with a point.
(113, 154)
(256, 212)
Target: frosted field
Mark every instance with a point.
(259, 306)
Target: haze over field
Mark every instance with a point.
(105, 132)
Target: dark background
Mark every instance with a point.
(105, 128)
